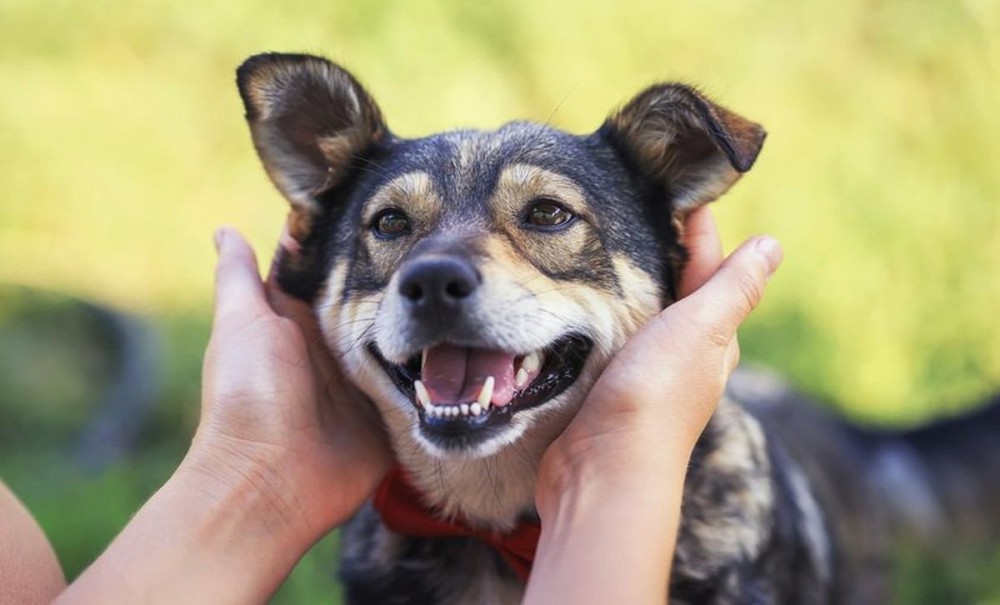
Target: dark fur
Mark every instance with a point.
(783, 504)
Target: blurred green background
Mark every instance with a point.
(122, 147)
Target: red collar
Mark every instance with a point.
(403, 511)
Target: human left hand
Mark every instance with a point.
(274, 404)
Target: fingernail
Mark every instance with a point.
(770, 249)
(217, 238)
(288, 243)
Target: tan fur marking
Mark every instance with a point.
(718, 530)
(557, 251)
(520, 309)
(641, 295)
(520, 183)
(299, 223)
(413, 193)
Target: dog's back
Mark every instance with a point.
(875, 491)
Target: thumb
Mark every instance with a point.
(728, 297)
(238, 287)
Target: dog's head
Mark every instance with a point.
(474, 283)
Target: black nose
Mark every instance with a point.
(438, 283)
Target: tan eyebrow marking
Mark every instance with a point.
(413, 192)
(520, 183)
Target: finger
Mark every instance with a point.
(238, 288)
(731, 293)
(732, 358)
(305, 319)
(292, 308)
(286, 245)
(701, 238)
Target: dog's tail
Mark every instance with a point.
(942, 481)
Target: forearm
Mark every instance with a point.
(609, 539)
(200, 538)
(29, 571)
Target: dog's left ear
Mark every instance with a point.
(680, 139)
(310, 121)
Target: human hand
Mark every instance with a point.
(609, 488)
(275, 408)
(657, 394)
(284, 451)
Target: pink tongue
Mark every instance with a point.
(456, 374)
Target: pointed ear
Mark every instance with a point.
(680, 139)
(310, 119)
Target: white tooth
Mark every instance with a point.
(521, 379)
(423, 359)
(453, 410)
(476, 409)
(465, 409)
(486, 393)
(532, 362)
(433, 410)
(423, 397)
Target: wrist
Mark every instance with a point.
(579, 470)
(207, 535)
(616, 531)
(252, 485)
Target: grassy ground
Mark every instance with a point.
(122, 146)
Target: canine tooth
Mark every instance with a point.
(423, 359)
(423, 397)
(521, 379)
(486, 393)
(476, 409)
(532, 362)
(465, 409)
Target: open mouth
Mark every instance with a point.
(461, 391)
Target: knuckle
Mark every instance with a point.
(750, 288)
(719, 336)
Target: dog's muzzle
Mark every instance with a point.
(464, 389)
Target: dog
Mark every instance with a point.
(474, 284)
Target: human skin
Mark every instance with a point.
(286, 450)
(609, 488)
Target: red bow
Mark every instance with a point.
(404, 512)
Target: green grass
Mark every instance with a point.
(122, 146)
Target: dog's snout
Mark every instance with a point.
(439, 283)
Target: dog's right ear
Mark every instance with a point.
(680, 139)
(310, 119)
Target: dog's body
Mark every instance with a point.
(474, 284)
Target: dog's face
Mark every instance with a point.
(474, 283)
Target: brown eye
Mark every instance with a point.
(546, 214)
(391, 223)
